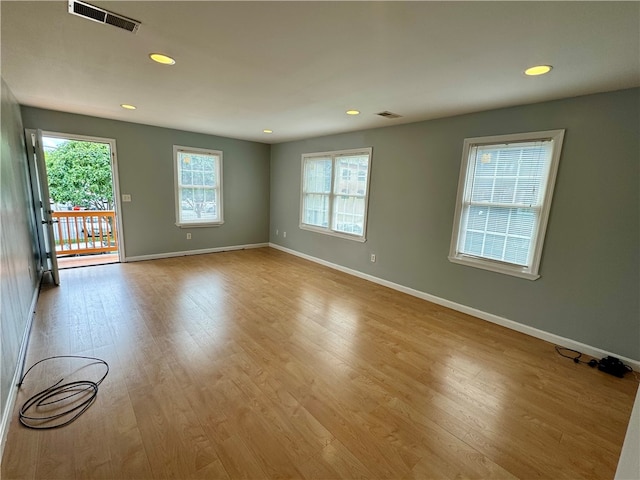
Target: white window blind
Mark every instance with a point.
(504, 200)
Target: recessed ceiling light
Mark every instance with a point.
(266, 130)
(353, 112)
(127, 106)
(163, 59)
(538, 70)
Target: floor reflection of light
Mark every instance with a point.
(333, 325)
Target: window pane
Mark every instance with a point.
(492, 232)
(528, 191)
(482, 190)
(477, 218)
(517, 250)
(187, 177)
(521, 222)
(317, 175)
(351, 175)
(503, 190)
(316, 210)
(493, 247)
(348, 215)
(506, 163)
(497, 220)
(533, 160)
(485, 162)
(473, 242)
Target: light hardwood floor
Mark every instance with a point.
(258, 364)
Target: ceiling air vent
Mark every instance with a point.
(387, 114)
(91, 12)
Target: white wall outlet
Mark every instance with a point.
(276, 232)
(126, 197)
(188, 236)
(373, 257)
(284, 234)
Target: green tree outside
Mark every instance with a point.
(79, 174)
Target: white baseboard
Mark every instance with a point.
(490, 317)
(13, 392)
(157, 256)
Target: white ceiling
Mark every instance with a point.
(295, 67)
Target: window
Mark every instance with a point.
(198, 181)
(335, 190)
(504, 197)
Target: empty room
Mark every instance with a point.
(320, 240)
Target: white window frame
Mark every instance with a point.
(217, 187)
(531, 270)
(334, 155)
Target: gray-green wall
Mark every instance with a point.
(145, 168)
(590, 281)
(18, 250)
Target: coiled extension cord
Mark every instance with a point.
(46, 400)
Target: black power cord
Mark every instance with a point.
(576, 357)
(32, 414)
(609, 364)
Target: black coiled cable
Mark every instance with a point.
(85, 390)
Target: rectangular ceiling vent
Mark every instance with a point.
(387, 114)
(91, 12)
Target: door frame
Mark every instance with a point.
(115, 177)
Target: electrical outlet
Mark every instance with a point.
(284, 234)
(188, 236)
(373, 257)
(276, 232)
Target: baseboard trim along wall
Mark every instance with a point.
(140, 258)
(13, 393)
(489, 317)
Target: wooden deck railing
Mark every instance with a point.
(85, 232)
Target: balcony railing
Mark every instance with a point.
(85, 232)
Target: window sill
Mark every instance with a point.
(199, 225)
(331, 233)
(506, 269)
